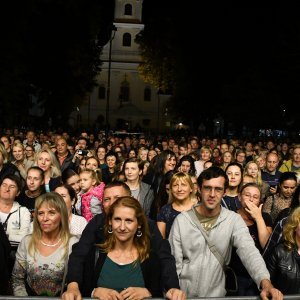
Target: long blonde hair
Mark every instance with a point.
(289, 230)
(54, 168)
(142, 243)
(53, 200)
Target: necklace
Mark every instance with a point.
(50, 245)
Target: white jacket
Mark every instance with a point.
(17, 223)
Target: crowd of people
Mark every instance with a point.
(137, 217)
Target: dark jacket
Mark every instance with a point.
(150, 269)
(67, 163)
(54, 183)
(284, 269)
(92, 234)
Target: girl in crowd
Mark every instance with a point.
(35, 186)
(5, 166)
(127, 267)
(91, 193)
(227, 158)
(20, 161)
(76, 223)
(101, 151)
(283, 261)
(182, 198)
(133, 169)
(234, 171)
(260, 228)
(187, 165)
(283, 198)
(46, 160)
(71, 178)
(42, 256)
(252, 168)
(160, 165)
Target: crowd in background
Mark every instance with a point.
(62, 178)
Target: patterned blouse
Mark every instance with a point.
(43, 274)
(275, 204)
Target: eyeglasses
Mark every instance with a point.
(247, 195)
(209, 189)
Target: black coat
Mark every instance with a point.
(151, 270)
(284, 269)
(82, 253)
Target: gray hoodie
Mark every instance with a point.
(200, 273)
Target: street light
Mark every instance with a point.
(113, 33)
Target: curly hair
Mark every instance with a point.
(289, 230)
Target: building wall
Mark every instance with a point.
(123, 69)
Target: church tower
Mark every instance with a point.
(123, 100)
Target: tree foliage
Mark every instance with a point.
(51, 49)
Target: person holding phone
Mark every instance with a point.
(270, 174)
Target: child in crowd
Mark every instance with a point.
(91, 193)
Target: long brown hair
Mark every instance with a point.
(141, 243)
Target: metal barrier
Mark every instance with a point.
(290, 297)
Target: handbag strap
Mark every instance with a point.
(211, 247)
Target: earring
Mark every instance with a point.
(139, 233)
(109, 230)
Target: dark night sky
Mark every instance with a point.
(243, 63)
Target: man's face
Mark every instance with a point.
(296, 156)
(111, 194)
(61, 146)
(81, 144)
(212, 191)
(272, 162)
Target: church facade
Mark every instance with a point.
(123, 100)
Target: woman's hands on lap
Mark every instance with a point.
(106, 294)
(135, 293)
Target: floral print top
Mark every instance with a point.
(43, 274)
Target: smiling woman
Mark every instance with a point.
(127, 266)
(41, 258)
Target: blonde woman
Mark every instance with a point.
(252, 168)
(42, 256)
(181, 198)
(20, 160)
(227, 158)
(46, 160)
(283, 261)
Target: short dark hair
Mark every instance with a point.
(210, 173)
(14, 178)
(118, 183)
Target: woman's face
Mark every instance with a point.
(288, 188)
(101, 153)
(44, 161)
(92, 164)
(151, 154)
(132, 171)
(205, 155)
(74, 182)
(131, 154)
(170, 164)
(34, 180)
(234, 176)
(227, 157)
(66, 196)
(253, 170)
(124, 224)
(250, 194)
(143, 154)
(185, 166)
(111, 161)
(18, 153)
(48, 218)
(180, 189)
